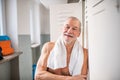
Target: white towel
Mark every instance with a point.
(57, 57)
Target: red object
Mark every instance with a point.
(6, 47)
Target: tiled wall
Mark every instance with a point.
(25, 59)
(37, 51)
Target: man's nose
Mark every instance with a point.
(70, 30)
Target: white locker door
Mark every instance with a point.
(104, 39)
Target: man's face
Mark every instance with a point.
(71, 30)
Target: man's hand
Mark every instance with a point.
(61, 71)
(43, 75)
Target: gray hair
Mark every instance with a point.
(74, 18)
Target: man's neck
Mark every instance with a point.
(69, 45)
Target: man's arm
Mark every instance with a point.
(85, 63)
(41, 69)
(44, 75)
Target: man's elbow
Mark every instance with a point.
(38, 75)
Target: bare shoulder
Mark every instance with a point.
(42, 62)
(47, 47)
(50, 44)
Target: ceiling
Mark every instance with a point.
(47, 3)
(73, 1)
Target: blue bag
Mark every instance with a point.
(4, 38)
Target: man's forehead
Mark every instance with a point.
(72, 21)
(74, 26)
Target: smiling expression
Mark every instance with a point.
(71, 29)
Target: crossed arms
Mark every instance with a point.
(42, 72)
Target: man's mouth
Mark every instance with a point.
(68, 35)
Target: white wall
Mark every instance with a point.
(23, 16)
(35, 22)
(11, 21)
(29, 19)
(2, 19)
(44, 20)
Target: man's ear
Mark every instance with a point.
(78, 34)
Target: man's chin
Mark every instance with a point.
(67, 41)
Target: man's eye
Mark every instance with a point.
(67, 27)
(74, 29)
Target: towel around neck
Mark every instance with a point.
(57, 58)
